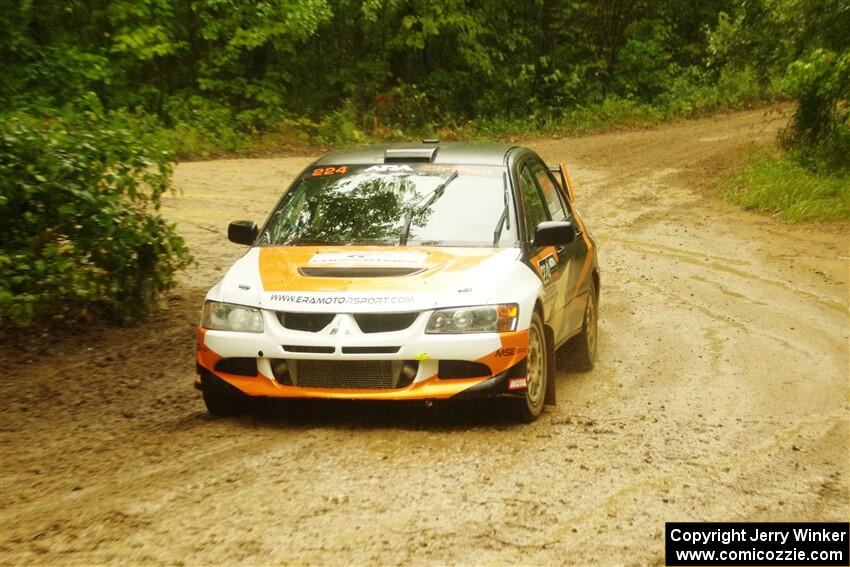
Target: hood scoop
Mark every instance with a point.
(359, 272)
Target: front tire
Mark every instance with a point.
(221, 401)
(538, 360)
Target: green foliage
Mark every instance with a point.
(807, 42)
(200, 127)
(645, 61)
(340, 127)
(221, 75)
(780, 186)
(820, 132)
(79, 231)
(216, 73)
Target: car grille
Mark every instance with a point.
(309, 349)
(311, 322)
(384, 322)
(368, 322)
(370, 349)
(238, 366)
(449, 369)
(353, 374)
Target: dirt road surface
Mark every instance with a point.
(721, 393)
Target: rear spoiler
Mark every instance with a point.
(563, 178)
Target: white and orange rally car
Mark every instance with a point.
(419, 272)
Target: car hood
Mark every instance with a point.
(360, 279)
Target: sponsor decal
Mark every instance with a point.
(319, 299)
(421, 356)
(390, 168)
(372, 258)
(546, 264)
(510, 351)
(482, 170)
(517, 383)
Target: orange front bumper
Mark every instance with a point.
(432, 388)
(513, 350)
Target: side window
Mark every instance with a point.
(550, 192)
(535, 208)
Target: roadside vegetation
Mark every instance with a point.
(79, 230)
(780, 186)
(100, 98)
(239, 76)
(809, 179)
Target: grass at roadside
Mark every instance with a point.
(780, 186)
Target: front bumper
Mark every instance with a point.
(502, 353)
(432, 389)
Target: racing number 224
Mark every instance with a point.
(320, 171)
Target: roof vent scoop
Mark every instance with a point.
(423, 155)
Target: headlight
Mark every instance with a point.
(483, 319)
(229, 317)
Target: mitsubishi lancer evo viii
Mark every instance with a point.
(420, 272)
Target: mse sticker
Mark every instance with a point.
(517, 383)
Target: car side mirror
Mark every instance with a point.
(242, 232)
(554, 233)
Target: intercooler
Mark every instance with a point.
(347, 374)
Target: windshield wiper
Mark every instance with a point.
(436, 194)
(504, 220)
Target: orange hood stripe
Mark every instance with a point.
(278, 267)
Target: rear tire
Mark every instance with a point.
(221, 401)
(538, 361)
(585, 343)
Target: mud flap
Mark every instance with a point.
(551, 387)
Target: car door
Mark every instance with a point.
(546, 261)
(575, 288)
(573, 254)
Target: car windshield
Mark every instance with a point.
(395, 204)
